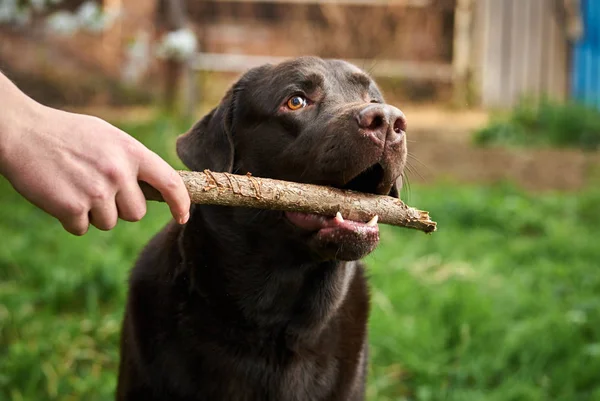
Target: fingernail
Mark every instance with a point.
(185, 218)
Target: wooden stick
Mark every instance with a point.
(246, 191)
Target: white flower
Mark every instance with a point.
(178, 45)
(109, 16)
(38, 5)
(88, 12)
(8, 10)
(62, 23)
(12, 12)
(93, 19)
(138, 58)
(89, 16)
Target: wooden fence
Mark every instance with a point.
(503, 50)
(520, 49)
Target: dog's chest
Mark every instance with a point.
(308, 380)
(300, 380)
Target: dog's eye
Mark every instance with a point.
(296, 102)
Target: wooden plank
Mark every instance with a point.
(534, 75)
(547, 50)
(525, 54)
(523, 51)
(462, 49)
(514, 32)
(552, 51)
(558, 60)
(518, 56)
(238, 63)
(478, 50)
(504, 36)
(492, 75)
(482, 24)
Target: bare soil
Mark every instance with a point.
(441, 145)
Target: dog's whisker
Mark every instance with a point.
(406, 187)
(415, 159)
(412, 170)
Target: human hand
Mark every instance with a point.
(82, 170)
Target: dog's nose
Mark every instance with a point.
(382, 122)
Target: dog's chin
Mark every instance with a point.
(336, 238)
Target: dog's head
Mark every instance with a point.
(312, 121)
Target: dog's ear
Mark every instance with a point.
(396, 188)
(209, 144)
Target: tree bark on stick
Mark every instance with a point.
(263, 193)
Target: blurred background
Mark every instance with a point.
(503, 105)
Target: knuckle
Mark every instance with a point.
(110, 225)
(105, 225)
(112, 172)
(75, 208)
(133, 149)
(136, 214)
(131, 206)
(78, 230)
(139, 213)
(173, 181)
(99, 195)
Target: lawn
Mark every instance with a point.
(502, 303)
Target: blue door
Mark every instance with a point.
(585, 78)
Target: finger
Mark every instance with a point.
(131, 204)
(104, 215)
(67, 206)
(76, 224)
(156, 172)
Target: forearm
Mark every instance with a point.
(18, 113)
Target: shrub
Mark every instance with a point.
(547, 124)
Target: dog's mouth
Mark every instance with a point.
(341, 238)
(370, 181)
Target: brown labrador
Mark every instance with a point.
(243, 304)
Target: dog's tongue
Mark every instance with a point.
(336, 229)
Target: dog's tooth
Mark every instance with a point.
(373, 221)
(339, 218)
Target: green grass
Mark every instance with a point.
(547, 124)
(503, 303)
